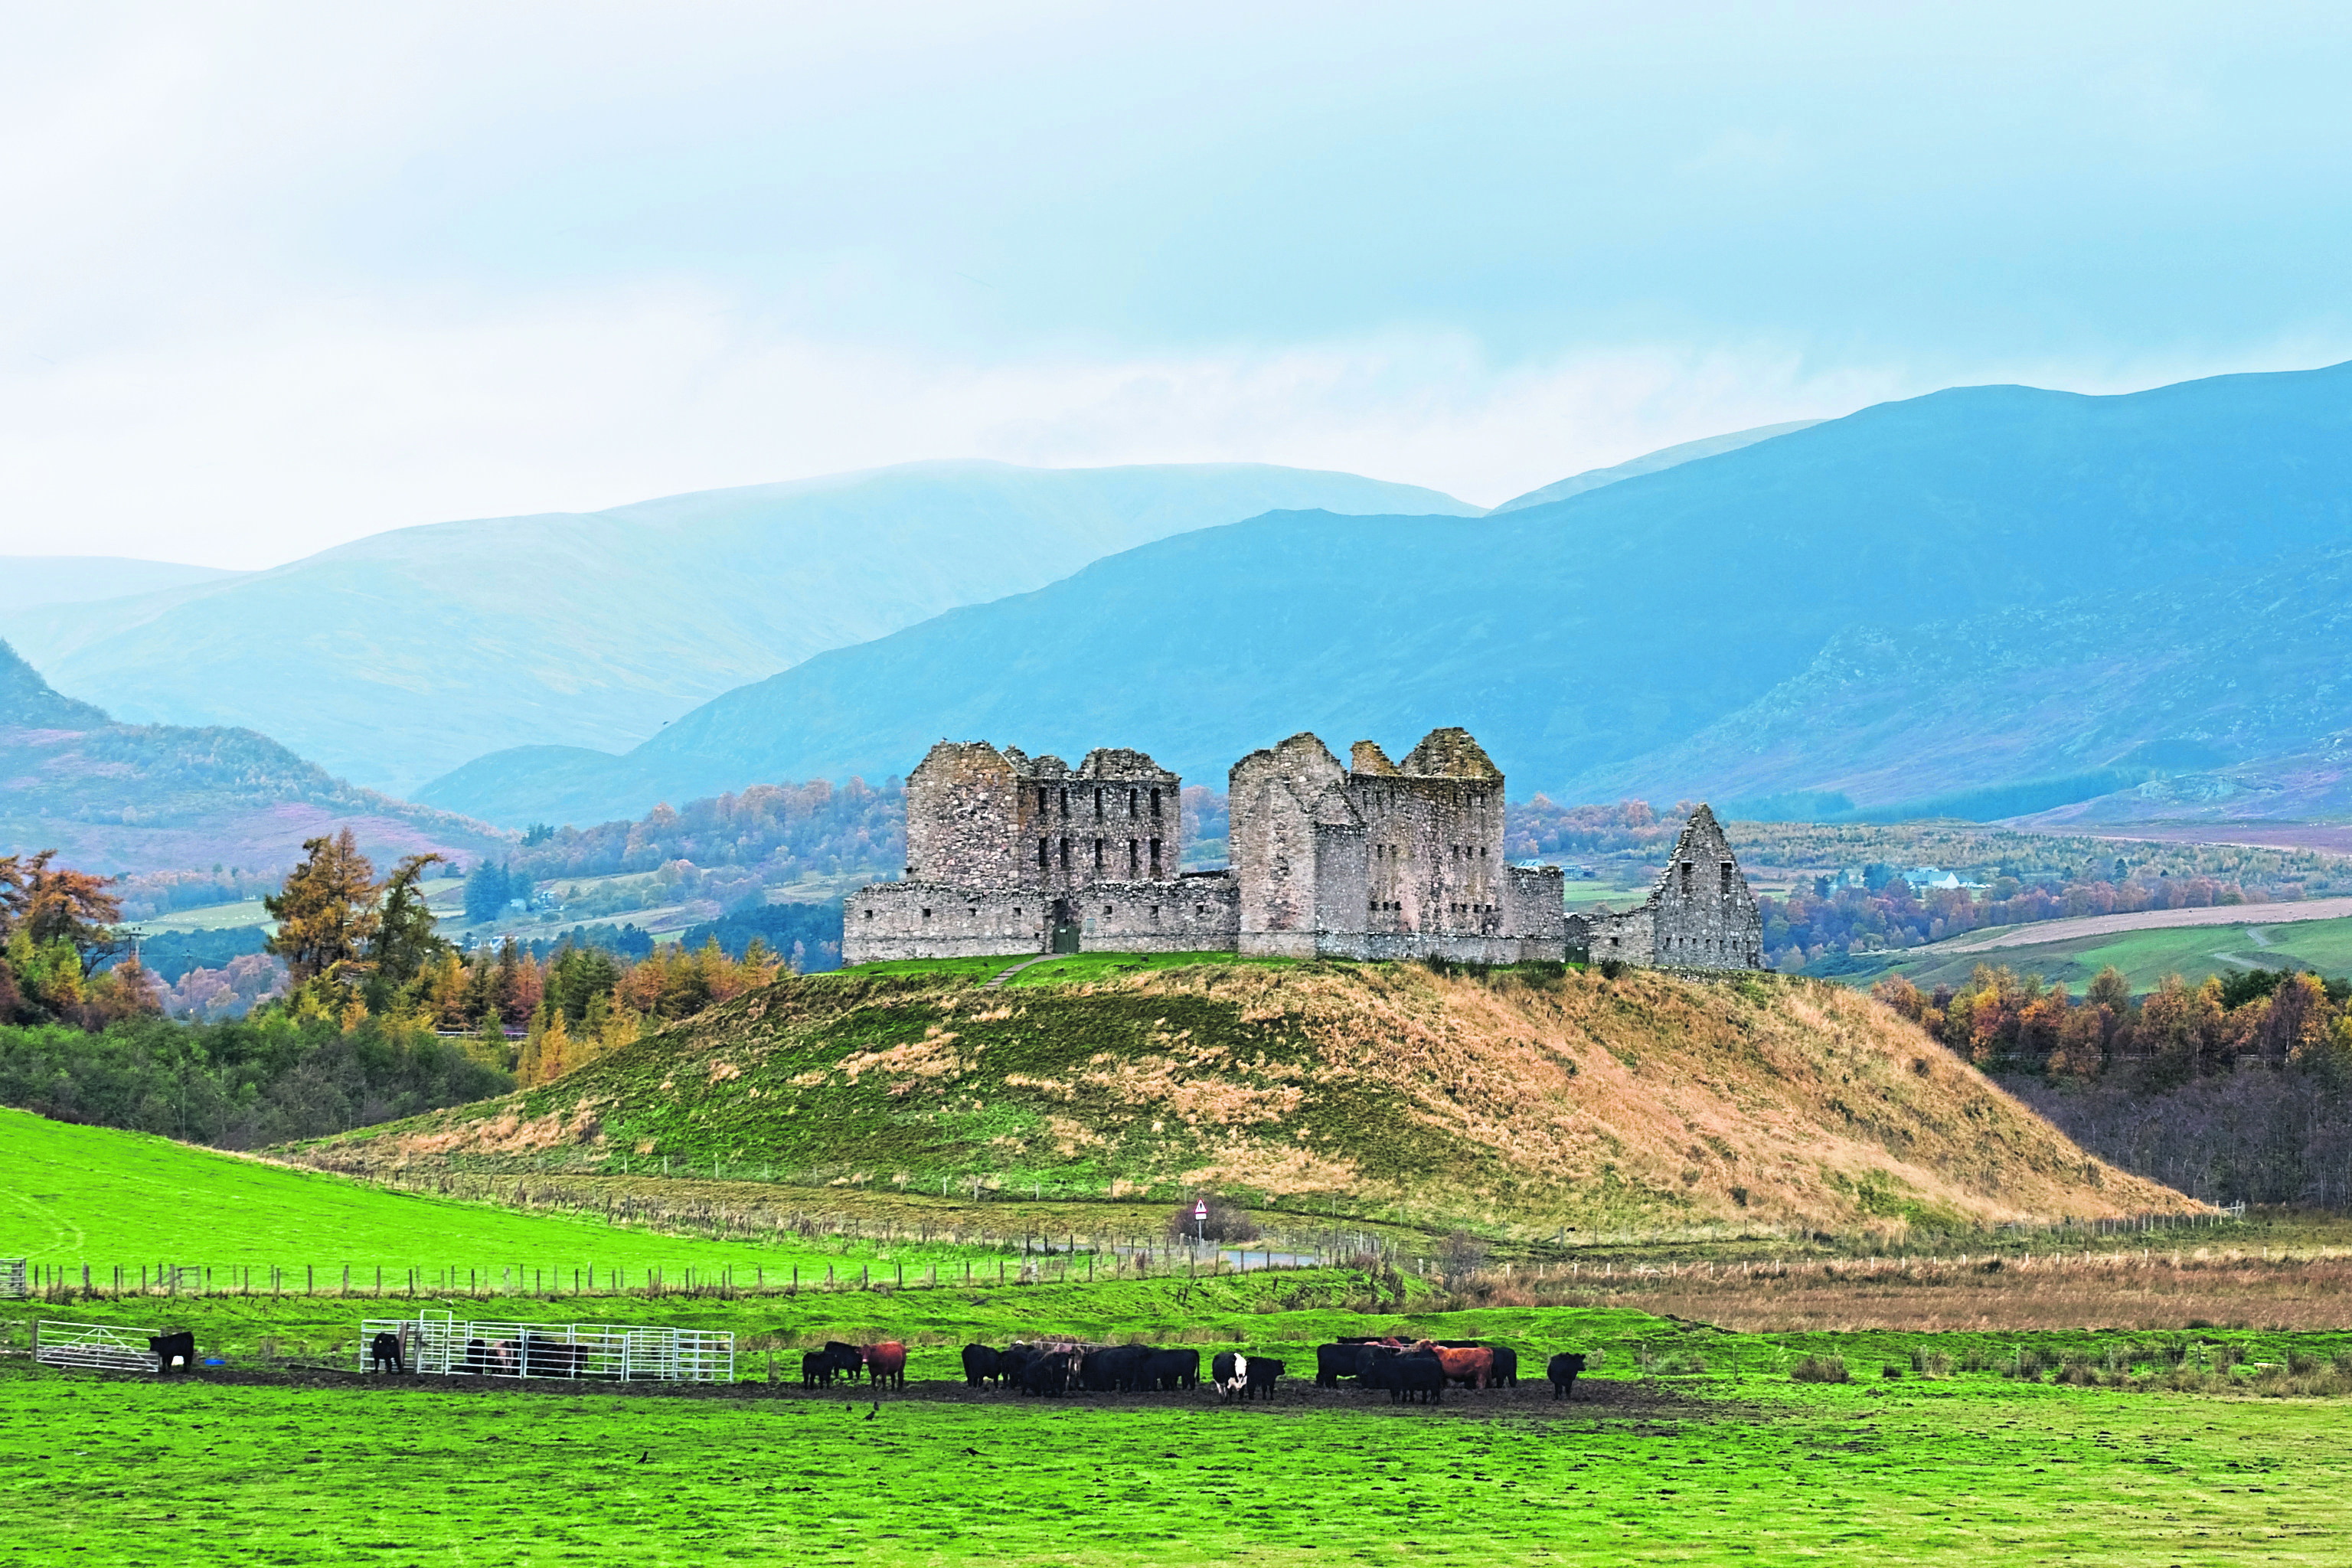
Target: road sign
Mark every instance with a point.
(1199, 1210)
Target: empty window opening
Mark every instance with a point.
(1155, 857)
(1066, 854)
(1687, 879)
(1041, 800)
(1098, 853)
(1041, 853)
(1155, 803)
(1726, 877)
(1098, 804)
(1066, 804)
(1132, 852)
(1130, 802)
(926, 914)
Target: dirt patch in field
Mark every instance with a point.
(1594, 1399)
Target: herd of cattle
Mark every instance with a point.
(1412, 1371)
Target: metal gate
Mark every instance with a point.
(12, 1277)
(109, 1347)
(437, 1345)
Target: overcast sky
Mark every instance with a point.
(273, 277)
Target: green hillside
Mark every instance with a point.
(1516, 1104)
(70, 1196)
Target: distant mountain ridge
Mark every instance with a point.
(1662, 636)
(33, 580)
(395, 657)
(1652, 463)
(126, 799)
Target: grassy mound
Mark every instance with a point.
(1527, 1102)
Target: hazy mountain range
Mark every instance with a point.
(1986, 586)
(37, 580)
(398, 657)
(135, 798)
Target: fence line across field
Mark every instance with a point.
(105, 1347)
(435, 1344)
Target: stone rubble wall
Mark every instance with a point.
(1197, 913)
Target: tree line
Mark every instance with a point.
(1821, 922)
(2237, 1087)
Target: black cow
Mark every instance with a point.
(549, 1358)
(1169, 1371)
(1115, 1367)
(176, 1349)
(1563, 1370)
(1048, 1374)
(383, 1354)
(1506, 1368)
(1408, 1377)
(1335, 1362)
(980, 1365)
(1263, 1370)
(1010, 1364)
(477, 1358)
(819, 1368)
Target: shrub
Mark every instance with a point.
(1227, 1221)
(1820, 1369)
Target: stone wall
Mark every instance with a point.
(1707, 915)
(1701, 914)
(1196, 913)
(1382, 860)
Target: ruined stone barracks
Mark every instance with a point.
(1008, 855)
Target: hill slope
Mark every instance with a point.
(1665, 457)
(131, 798)
(1631, 638)
(1579, 1102)
(85, 579)
(395, 657)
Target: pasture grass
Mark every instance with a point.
(2146, 957)
(1722, 1467)
(72, 1194)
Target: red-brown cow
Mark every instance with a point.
(887, 1361)
(1471, 1368)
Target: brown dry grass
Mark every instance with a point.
(1755, 1102)
(2162, 1289)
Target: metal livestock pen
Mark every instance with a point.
(435, 1344)
(109, 1347)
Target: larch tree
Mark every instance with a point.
(326, 912)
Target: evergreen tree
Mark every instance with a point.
(487, 893)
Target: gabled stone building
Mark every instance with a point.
(1701, 914)
(1372, 859)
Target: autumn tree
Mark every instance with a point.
(326, 912)
(55, 905)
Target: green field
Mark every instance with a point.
(2146, 957)
(1738, 1466)
(71, 1196)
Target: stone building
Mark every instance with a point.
(1382, 860)
(1006, 854)
(1701, 914)
(1372, 859)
